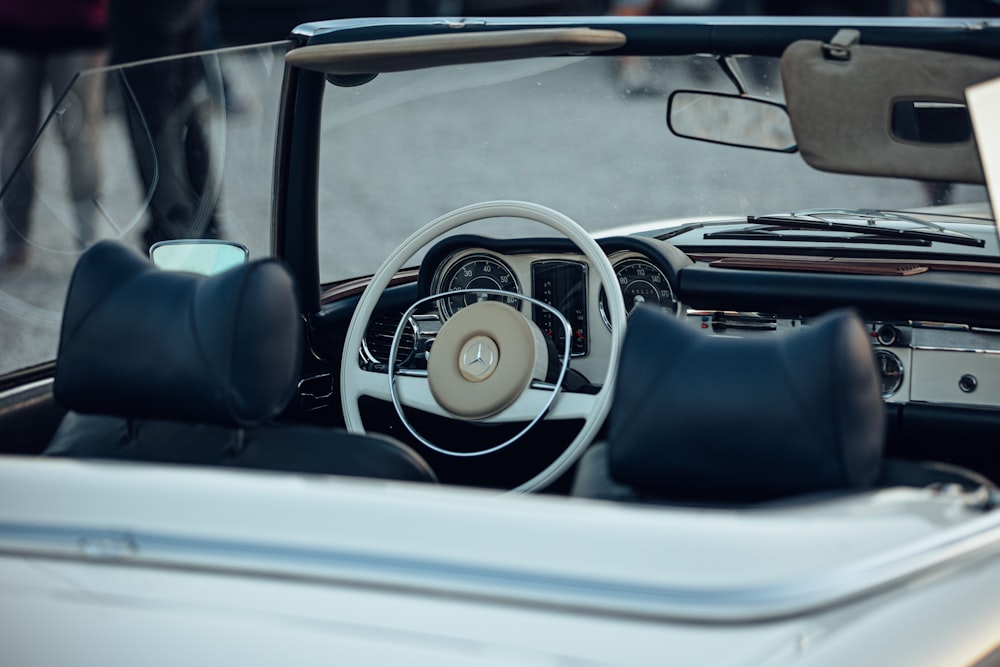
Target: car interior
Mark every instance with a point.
(756, 378)
(171, 367)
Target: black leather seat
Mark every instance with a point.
(706, 420)
(176, 368)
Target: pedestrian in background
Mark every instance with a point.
(164, 114)
(43, 45)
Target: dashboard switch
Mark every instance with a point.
(968, 383)
(887, 335)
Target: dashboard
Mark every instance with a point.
(550, 271)
(919, 362)
(564, 281)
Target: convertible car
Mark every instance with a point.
(454, 344)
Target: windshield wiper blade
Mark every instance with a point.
(870, 216)
(819, 221)
(762, 234)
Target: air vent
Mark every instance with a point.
(743, 322)
(378, 339)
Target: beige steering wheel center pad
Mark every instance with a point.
(483, 359)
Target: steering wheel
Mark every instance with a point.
(471, 342)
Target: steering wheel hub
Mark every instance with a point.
(484, 358)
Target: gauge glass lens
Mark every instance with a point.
(478, 272)
(562, 285)
(640, 282)
(890, 370)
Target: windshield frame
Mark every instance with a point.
(296, 214)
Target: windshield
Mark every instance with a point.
(587, 136)
(185, 148)
(174, 148)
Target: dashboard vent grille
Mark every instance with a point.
(744, 322)
(378, 339)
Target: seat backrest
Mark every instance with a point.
(701, 419)
(178, 368)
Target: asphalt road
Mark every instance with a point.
(599, 154)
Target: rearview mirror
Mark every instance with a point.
(202, 256)
(731, 120)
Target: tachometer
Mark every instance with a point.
(478, 272)
(640, 282)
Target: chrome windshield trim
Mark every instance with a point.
(26, 388)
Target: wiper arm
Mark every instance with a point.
(763, 234)
(871, 217)
(817, 221)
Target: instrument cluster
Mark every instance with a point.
(564, 281)
(517, 272)
(918, 362)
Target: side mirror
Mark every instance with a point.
(203, 256)
(731, 120)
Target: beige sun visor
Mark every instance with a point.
(409, 53)
(984, 105)
(842, 99)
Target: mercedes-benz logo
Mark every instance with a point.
(478, 358)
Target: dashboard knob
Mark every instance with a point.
(887, 335)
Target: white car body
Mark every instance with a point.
(144, 563)
(261, 569)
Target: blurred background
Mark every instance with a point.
(99, 168)
(248, 21)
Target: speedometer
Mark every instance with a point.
(640, 282)
(478, 272)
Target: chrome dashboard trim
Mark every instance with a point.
(932, 356)
(972, 350)
(27, 388)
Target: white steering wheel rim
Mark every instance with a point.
(350, 371)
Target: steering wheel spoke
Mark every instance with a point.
(566, 406)
(414, 392)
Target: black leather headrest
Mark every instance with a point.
(139, 342)
(704, 418)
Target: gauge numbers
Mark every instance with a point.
(640, 282)
(478, 272)
(562, 285)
